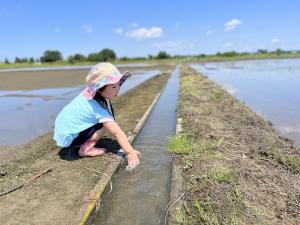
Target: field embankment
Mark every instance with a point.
(236, 168)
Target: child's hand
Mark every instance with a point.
(133, 159)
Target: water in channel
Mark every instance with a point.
(140, 196)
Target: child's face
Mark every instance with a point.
(111, 91)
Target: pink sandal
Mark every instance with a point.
(88, 149)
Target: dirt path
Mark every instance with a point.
(240, 171)
(55, 197)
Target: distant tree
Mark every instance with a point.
(139, 58)
(201, 56)
(21, 60)
(31, 60)
(262, 51)
(150, 56)
(124, 58)
(180, 56)
(279, 51)
(93, 57)
(107, 55)
(76, 58)
(244, 53)
(162, 55)
(17, 60)
(51, 56)
(103, 56)
(6, 61)
(230, 54)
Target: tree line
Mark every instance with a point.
(102, 56)
(109, 55)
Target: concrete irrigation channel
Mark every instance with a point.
(142, 196)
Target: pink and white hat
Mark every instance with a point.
(100, 75)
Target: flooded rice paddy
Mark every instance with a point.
(26, 114)
(270, 87)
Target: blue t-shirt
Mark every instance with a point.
(77, 116)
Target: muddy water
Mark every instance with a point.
(140, 197)
(25, 115)
(270, 87)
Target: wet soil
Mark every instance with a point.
(55, 197)
(30, 80)
(241, 171)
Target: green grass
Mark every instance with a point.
(180, 144)
(208, 146)
(237, 192)
(217, 95)
(221, 174)
(233, 220)
(205, 211)
(293, 162)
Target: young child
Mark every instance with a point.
(83, 121)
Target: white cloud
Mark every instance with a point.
(208, 32)
(87, 28)
(57, 30)
(227, 44)
(232, 24)
(118, 30)
(144, 33)
(275, 40)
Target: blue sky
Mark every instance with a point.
(138, 28)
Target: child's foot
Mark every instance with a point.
(92, 151)
(88, 149)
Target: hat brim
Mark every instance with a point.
(89, 92)
(124, 77)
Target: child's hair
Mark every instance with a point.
(101, 100)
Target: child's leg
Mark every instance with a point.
(98, 134)
(88, 149)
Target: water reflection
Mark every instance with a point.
(25, 115)
(270, 87)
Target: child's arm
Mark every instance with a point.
(115, 130)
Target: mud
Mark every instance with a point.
(30, 80)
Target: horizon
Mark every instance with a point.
(133, 30)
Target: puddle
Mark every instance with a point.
(26, 114)
(270, 87)
(140, 196)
